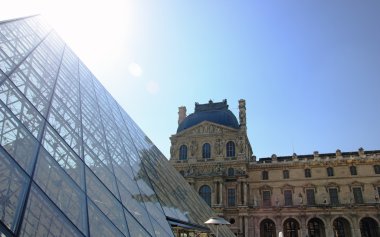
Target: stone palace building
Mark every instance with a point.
(314, 195)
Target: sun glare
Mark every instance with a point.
(90, 26)
(98, 31)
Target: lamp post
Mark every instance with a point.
(217, 221)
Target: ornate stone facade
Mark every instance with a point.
(317, 195)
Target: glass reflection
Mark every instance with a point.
(42, 218)
(13, 184)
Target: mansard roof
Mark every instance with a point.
(213, 112)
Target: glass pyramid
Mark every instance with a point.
(72, 162)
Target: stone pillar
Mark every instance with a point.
(246, 229)
(241, 224)
(279, 226)
(257, 227)
(221, 193)
(303, 227)
(245, 194)
(329, 227)
(238, 193)
(242, 113)
(355, 228)
(214, 194)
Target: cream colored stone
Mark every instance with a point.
(249, 211)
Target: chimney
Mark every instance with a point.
(181, 114)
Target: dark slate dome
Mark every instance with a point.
(212, 112)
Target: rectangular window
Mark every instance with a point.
(330, 171)
(353, 170)
(267, 199)
(288, 196)
(358, 196)
(377, 169)
(378, 192)
(333, 192)
(285, 174)
(310, 197)
(265, 175)
(231, 197)
(307, 173)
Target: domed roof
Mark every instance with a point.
(212, 112)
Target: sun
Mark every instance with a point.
(88, 26)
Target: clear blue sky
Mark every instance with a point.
(308, 70)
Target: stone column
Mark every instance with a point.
(245, 194)
(238, 193)
(279, 226)
(221, 193)
(246, 229)
(303, 227)
(355, 228)
(241, 224)
(329, 227)
(214, 194)
(256, 225)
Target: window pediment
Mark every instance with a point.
(309, 186)
(287, 187)
(332, 185)
(265, 188)
(356, 184)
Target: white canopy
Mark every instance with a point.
(217, 221)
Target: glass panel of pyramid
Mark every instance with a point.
(72, 162)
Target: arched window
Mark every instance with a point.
(369, 227)
(291, 227)
(205, 193)
(267, 228)
(316, 227)
(341, 227)
(206, 151)
(230, 146)
(183, 152)
(230, 172)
